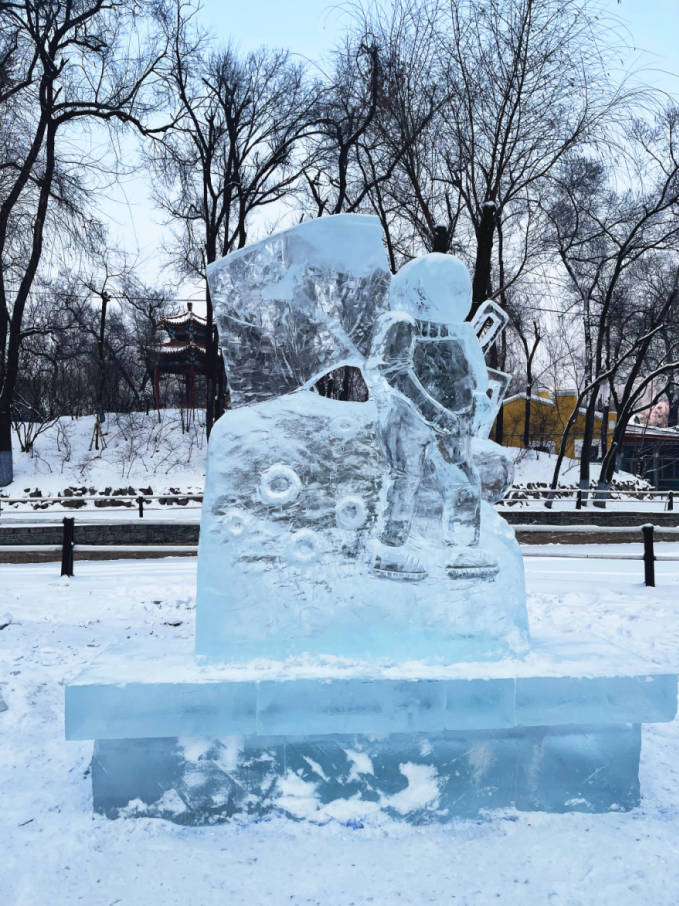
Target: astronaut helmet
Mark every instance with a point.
(434, 288)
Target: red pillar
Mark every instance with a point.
(192, 387)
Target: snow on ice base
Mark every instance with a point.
(421, 778)
(558, 730)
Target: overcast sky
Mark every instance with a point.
(310, 28)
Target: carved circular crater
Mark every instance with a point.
(279, 484)
(305, 546)
(344, 427)
(351, 512)
(235, 522)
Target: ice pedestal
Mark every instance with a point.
(418, 777)
(556, 730)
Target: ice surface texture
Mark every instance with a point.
(166, 693)
(311, 505)
(299, 304)
(293, 500)
(417, 777)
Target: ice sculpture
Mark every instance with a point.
(311, 503)
(361, 627)
(429, 379)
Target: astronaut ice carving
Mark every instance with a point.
(429, 379)
(312, 505)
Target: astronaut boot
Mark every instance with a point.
(472, 563)
(397, 563)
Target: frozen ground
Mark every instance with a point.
(55, 853)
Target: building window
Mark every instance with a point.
(593, 451)
(543, 446)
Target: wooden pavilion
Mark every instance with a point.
(184, 353)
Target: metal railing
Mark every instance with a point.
(599, 498)
(68, 548)
(142, 502)
(649, 556)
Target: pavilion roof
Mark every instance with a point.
(184, 317)
(172, 347)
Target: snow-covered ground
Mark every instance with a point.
(535, 467)
(534, 472)
(54, 852)
(147, 456)
(141, 452)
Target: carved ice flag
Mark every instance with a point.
(298, 304)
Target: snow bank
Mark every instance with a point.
(535, 469)
(142, 451)
(169, 456)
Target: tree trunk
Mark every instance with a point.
(6, 469)
(526, 420)
(209, 368)
(500, 425)
(673, 413)
(101, 415)
(608, 466)
(587, 443)
(604, 429)
(484, 252)
(11, 365)
(221, 388)
(345, 393)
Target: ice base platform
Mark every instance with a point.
(558, 729)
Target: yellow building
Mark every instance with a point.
(549, 415)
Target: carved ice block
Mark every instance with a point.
(362, 638)
(290, 512)
(298, 304)
(558, 730)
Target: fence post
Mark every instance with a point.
(670, 500)
(649, 556)
(67, 547)
(578, 500)
(140, 501)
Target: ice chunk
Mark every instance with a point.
(434, 288)
(294, 500)
(420, 778)
(298, 304)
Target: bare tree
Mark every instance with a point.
(234, 152)
(528, 330)
(76, 362)
(70, 65)
(654, 359)
(604, 238)
(379, 96)
(524, 83)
